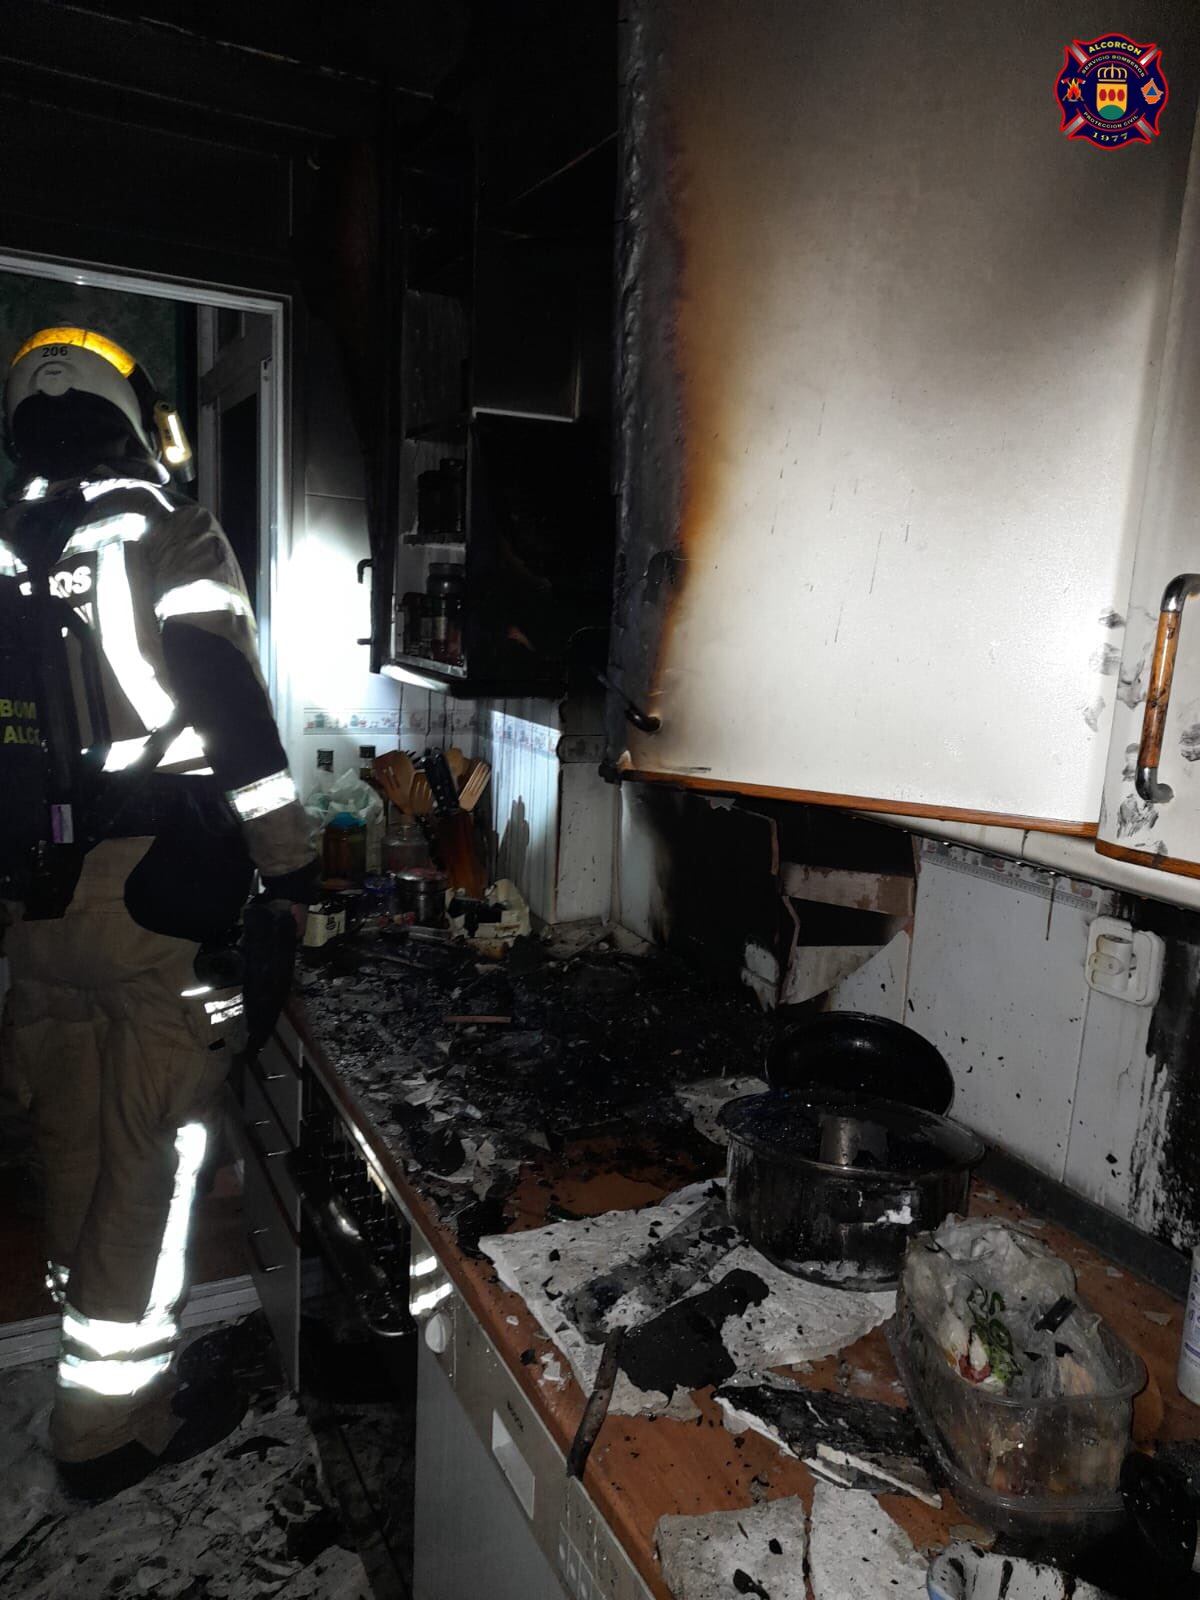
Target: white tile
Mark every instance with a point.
(1004, 1003)
(880, 985)
(1121, 1105)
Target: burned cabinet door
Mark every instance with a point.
(882, 453)
(1151, 811)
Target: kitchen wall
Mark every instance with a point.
(1099, 1094)
(328, 697)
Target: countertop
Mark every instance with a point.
(640, 1468)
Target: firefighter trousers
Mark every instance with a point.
(117, 1064)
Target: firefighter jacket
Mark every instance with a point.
(156, 580)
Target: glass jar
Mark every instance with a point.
(444, 588)
(344, 848)
(405, 846)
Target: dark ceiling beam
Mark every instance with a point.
(155, 77)
(411, 42)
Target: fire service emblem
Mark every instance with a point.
(1111, 91)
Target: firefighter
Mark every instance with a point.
(112, 1039)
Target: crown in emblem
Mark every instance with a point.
(1112, 73)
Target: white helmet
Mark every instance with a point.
(59, 362)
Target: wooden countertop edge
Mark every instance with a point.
(603, 1496)
(1157, 1342)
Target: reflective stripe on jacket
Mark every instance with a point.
(155, 577)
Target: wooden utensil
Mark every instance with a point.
(421, 796)
(460, 856)
(394, 772)
(477, 781)
(459, 765)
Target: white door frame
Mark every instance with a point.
(273, 441)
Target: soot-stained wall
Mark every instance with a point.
(1099, 1094)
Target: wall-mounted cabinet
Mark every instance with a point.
(1151, 811)
(890, 374)
(502, 557)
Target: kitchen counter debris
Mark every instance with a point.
(596, 1047)
(591, 1101)
(700, 1305)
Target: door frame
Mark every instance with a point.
(275, 430)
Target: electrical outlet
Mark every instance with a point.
(1122, 963)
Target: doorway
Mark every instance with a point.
(219, 356)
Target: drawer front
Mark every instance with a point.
(277, 1074)
(510, 1431)
(268, 1146)
(274, 1265)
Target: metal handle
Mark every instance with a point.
(367, 562)
(1158, 691)
(262, 1077)
(256, 1144)
(263, 1266)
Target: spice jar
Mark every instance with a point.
(404, 846)
(444, 588)
(344, 848)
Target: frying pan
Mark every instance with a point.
(858, 1054)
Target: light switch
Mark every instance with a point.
(1124, 963)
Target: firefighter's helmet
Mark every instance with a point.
(71, 391)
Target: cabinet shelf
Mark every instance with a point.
(424, 673)
(450, 430)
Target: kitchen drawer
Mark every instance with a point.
(274, 1265)
(268, 1147)
(277, 1074)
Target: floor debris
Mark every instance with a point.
(583, 1278)
(856, 1551)
(244, 1521)
(757, 1552)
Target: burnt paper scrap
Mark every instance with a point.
(856, 1551)
(854, 1443)
(585, 1277)
(757, 1552)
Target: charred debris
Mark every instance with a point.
(470, 1069)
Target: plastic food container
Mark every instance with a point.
(1042, 1469)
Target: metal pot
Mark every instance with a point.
(856, 1053)
(832, 1187)
(422, 891)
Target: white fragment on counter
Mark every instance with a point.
(1159, 1318)
(856, 1551)
(552, 1371)
(1113, 1272)
(719, 1556)
(797, 1321)
(903, 1478)
(513, 1322)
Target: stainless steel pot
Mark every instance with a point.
(832, 1187)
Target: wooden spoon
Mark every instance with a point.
(472, 790)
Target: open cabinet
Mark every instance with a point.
(890, 365)
(503, 548)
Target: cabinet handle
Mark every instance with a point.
(263, 1266)
(256, 1143)
(1158, 692)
